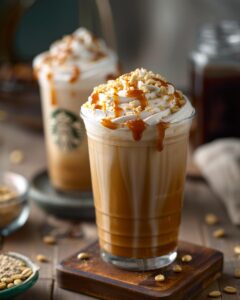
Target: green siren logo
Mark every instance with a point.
(67, 129)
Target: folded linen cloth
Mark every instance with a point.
(219, 162)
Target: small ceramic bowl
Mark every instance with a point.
(15, 211)
(28, 283)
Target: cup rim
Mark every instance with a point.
(190, 117)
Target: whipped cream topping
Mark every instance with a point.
(77, 56)
(139, 95)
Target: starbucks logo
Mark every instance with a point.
(67, 129)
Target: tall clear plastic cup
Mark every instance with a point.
(138, 193)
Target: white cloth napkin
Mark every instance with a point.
(219, 162)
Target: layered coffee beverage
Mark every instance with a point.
(138, 129)
(67, 74)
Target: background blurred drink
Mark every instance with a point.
(215, 82)
(67, 75)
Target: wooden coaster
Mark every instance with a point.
(96, 278)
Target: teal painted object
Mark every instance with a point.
(11, 293)
(69, 205)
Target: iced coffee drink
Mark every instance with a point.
(67, 74)
(138, 127)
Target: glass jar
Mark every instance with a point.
(215, 82)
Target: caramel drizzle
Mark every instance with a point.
(163, 83)
(75, 74)
(36, 72)
(94, 101)
(139, 95)
(162, 126)
(117, 109)
(95, 98)
(109, 124)
(53, 95)
(177, 97)
(137, 127)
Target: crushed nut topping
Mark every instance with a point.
(138, 101)
(140, 85)
(65, 54)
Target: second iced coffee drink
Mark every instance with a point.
(138, 127)
(67, 74)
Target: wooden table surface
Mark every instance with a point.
(199, 200)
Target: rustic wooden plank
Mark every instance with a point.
(61, 294)
(190, 229)
(42, 290)
(213, 205)
(228, 279)
(30, 143)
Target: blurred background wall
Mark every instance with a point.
(156, 34)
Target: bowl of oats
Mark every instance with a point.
(14, 208)
(17, 274)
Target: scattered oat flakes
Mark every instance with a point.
(177, 268)
(230, 289)
(219, 233)
(83, 256)
(16, 157)
(159, 278)
(186, 258)
(237, 273)
(211, 219)
(42, 258)
(215, 294)
(13, 271)
(237, 249)
(49, 239)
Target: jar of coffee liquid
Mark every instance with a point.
(215, 82)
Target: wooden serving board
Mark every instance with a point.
(96, 278)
